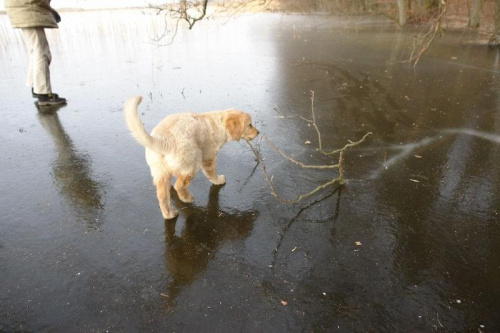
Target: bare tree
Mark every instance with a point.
(495, 39)
(403, 12)
(192, 11)
(475, 14)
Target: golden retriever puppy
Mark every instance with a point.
(182, 143)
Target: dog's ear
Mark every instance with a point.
(235, 126)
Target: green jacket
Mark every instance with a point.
(30, 13)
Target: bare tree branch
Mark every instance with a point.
(305, 166)
(183, 11)
(338, 180)
(428, 38)
(303, 196)
(314, 121)
(350, 144)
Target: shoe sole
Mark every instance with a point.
(51, 103)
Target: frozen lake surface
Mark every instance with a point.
(411, 243)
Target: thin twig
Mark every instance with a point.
(303, 196)
(437, 317)
(339, 180)
(341, 166)
(314, 120)
(256, 153)
(426, 46)
(351, 144)
(305, 166)
(433, 30)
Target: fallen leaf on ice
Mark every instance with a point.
(284, 303)
(418, 156)
(307, 142)
(358, 243)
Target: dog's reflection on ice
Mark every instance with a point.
(206, 229)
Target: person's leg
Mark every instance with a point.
(29, 79)
(38, 71)
(40, 58)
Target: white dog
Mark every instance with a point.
(182, 143)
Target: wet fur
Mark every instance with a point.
(183, 143)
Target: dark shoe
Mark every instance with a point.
(50, 99)
(35, 95)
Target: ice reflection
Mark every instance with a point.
(72, 173)
(479, 134)
(206, 230)
(406, 149)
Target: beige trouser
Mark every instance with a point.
(40, 58)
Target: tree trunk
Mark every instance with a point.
(495, 39)
(475, 15)
(403, 9)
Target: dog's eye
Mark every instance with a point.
(250, 126)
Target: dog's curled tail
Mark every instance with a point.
(135, 125)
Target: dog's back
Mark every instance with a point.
(203, 131)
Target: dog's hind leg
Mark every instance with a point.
(181, 186)
(209, 167)
(163, 194)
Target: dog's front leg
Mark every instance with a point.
(163, 194)
(209, 167)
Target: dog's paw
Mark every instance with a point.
(220, 180)
(186, 197)
(172, 214)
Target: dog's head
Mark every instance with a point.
(239, 125)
